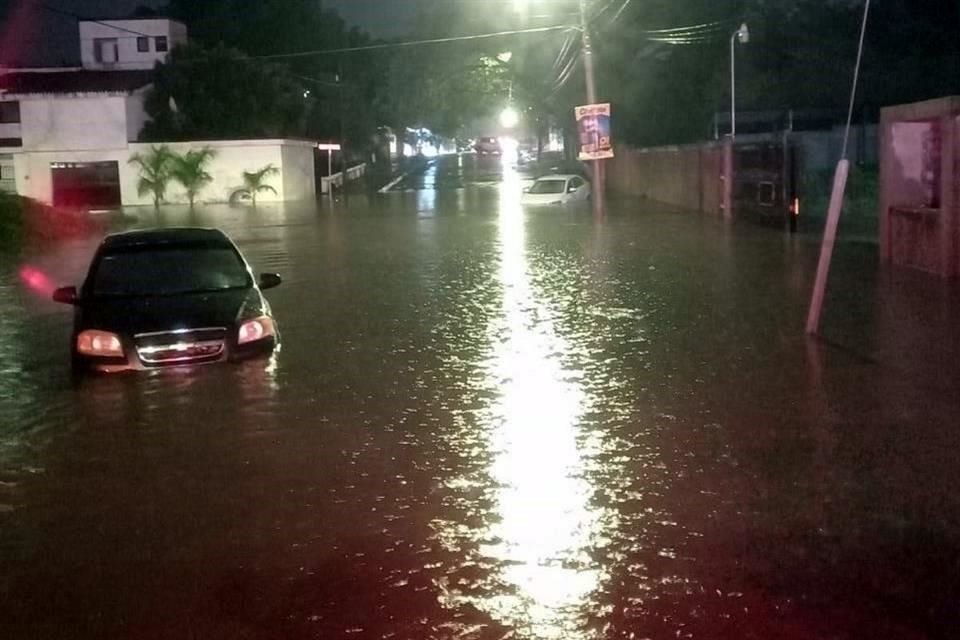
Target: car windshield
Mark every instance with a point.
(548, 186)
(168, 271)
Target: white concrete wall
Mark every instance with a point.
(232, 159)
(34, 177)
(299, 175)
(294, 159)
(81, 122)
(126, 33)
(136, 114)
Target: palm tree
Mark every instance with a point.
(254, 183)
(154, 172)
(190, 170)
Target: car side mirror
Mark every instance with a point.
(572, 189)
(66, 295)
(269, 280)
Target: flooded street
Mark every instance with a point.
(491, 422)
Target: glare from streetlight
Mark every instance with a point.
(509, 118)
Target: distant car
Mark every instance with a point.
(169, 297)
(488, 145)
(556, 189)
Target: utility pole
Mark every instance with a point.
(598, 166)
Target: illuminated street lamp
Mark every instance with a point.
(743, 36)
(509, 118)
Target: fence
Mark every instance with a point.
(336, 180)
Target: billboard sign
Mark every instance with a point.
(593, 129)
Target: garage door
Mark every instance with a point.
(86, 185)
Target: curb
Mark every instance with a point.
(399, 179)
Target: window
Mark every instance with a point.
(162, 43)
(6, 172)
(105, 50)
(548, 186)
(169, 270)
(143, 44)
(9, 112)
(11, 142)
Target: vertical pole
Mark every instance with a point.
(598, 173)
(343, 128)
(727, 179)
(836, 198)
(728, 143)
(826, 251)
(733, 86)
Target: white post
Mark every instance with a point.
(826, 251)
(733, 85)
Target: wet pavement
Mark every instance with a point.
(491, 422)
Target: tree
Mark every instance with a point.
(155, 173)
(190, 170)
(202, 94)
(254, 182)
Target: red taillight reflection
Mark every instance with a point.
(37, 280)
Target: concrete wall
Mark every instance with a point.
(35, 178)
(136, 114)
(919, 204)
(684, 176)
(126, 33)
(79, 122)
(294, 158)
(298, 173)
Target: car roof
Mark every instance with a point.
(558, 176)
(175, 235)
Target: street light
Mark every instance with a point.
(509, 118)
(743, 35)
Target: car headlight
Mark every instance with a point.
(94, 342)
(256, 329)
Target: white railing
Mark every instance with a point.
(336, 180)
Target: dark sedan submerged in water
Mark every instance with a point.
(169, 297)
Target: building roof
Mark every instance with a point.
(75, 81)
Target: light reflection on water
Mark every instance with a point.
(542, 522)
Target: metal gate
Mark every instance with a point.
(86, 185)
(766, 185)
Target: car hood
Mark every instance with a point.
(133, 315)
(543, 198)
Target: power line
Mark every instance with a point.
(620, 12)
(79, 18)
(413, 43)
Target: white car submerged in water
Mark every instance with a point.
(556, 189)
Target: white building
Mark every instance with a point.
(67, 134)
(128, 44)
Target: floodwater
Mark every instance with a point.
(487, 423)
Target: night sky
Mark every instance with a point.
(45, 38)
(38, 37)
(381, 18)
